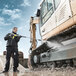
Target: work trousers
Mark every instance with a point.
(12, 51)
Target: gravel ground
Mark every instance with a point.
(54, 72)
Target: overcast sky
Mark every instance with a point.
(17, 13)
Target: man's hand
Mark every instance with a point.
(20, 36)
(11, 35)
(17, 38)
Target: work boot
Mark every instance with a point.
(4, 71)
(16, 70)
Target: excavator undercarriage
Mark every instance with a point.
(57, 51)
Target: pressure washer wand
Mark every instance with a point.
(29, 38)
(24, 36)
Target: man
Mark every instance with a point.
(12, 49)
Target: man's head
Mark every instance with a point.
(15, 29)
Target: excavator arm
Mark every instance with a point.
(33, 22)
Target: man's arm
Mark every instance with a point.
(7, 37)
(18, 38)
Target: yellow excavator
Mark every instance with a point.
(57, 22)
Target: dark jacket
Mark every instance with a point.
(12, 39)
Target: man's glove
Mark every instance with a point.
(11, 35)
(20, 36)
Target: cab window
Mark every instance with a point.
(57, 2)
(50, 4)
(46, 10)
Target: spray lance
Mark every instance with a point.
(14, 35)
(29, 38)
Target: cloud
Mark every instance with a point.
(24, 25)
(22, 28)
(26, 3)
(14, 14)
(35, 12)
(3, 23)
(6, 6)
(38, 7)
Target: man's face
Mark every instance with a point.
(15, 30)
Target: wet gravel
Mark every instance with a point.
(53, 72)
